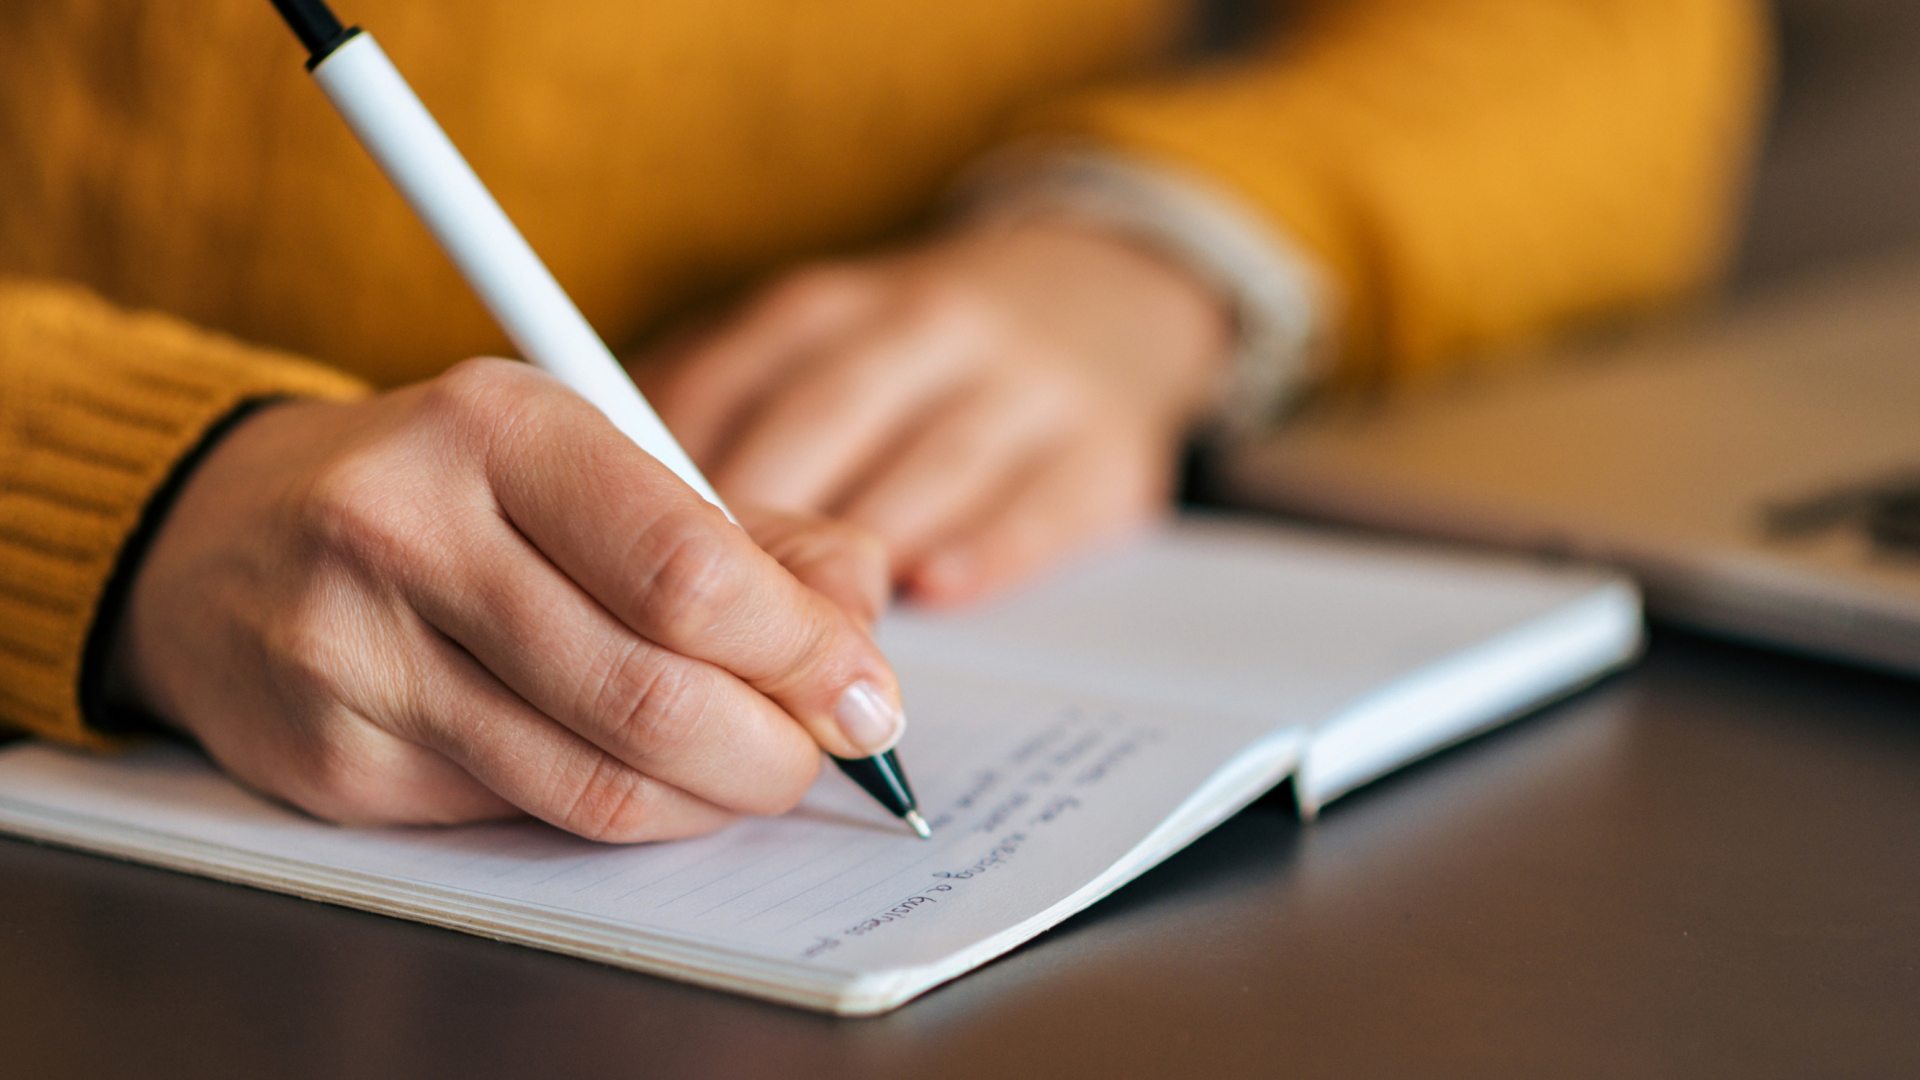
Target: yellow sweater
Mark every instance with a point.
(1470, 172)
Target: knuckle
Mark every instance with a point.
(478, 384)
(650, 707)
(302, 654)
(484, 400)
(686, 573)
(822, 650)
(613, 805)
(356, 508)
(340, 783)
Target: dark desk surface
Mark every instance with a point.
(1709, 866)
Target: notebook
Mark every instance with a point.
(1063, 741)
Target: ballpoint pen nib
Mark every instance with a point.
(920, 826)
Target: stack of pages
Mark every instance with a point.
(1062, 741)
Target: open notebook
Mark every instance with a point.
(1062, 742)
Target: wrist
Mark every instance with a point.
(1275, 293)
(116, 694)
(1121, 303)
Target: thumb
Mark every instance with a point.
(843, 562)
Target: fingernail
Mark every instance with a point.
(869, 719)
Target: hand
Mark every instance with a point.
(985, 403)
(473, 598)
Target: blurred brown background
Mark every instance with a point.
(1840, 178)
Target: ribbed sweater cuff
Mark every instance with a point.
(102, 407)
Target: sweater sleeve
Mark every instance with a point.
(96, 407)
(1468, 174)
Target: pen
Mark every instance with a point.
(516, 287)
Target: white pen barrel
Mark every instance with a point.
(496, 260)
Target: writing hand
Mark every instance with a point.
(474, 597)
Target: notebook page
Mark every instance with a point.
(1227, 617)
(1033, 793)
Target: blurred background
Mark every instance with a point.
(1840, 177)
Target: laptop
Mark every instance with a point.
(1759, 473)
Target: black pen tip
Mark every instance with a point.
(882, 777)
